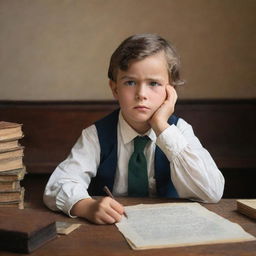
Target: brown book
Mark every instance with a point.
(10, 131)
(9, 185)
(11, 153)
(247, 207)
(12, 175)
(25, 230)
(6, 145)
(11, 164)
(12, 196)
(15, 204)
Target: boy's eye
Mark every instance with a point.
(130, 83)
(153, 83)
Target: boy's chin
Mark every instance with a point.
(138, 118)
(141, 118)
(140, 126)
(141, 121)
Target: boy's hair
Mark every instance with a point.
(140, 46)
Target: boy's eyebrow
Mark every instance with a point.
(156, 78)
(127, 77)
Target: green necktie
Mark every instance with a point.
(137, 169)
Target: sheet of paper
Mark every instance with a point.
(177, 224)
(64, 228)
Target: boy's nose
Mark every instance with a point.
(141, 92)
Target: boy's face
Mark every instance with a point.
(141, 90)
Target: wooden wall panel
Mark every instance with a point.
(225, 128)
(51, 129)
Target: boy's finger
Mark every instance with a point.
(114, 215)
(117, 206)
(108, 219)
(172, 93)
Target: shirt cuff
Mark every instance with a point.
(69, 195)
(171, 142)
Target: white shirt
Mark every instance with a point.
(193, 171)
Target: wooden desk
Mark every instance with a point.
(102, 240)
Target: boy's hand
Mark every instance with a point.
(103, 211)
(159, 119)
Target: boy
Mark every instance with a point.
(141, 150)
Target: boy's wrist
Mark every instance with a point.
(81, 208)
(159, 127)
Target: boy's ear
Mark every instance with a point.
(113, 87)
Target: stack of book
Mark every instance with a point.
(12, 170)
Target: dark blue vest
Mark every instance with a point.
(107, 133)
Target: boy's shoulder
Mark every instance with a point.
(173, 119)
(107, 128)
(110, 119)
(104, 125)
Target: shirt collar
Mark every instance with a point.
(128, 133)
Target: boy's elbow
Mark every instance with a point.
(213, 199)
(208, 199)
(214, 196)
(49, 201)
(215, 193)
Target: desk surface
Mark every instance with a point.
(90, 239)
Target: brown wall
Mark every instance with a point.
(59, 49)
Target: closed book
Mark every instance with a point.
(6, 145)
(10, 131)
(11, 164)
(11, 153)
(15, 204)
(247, 207)
(17, 174)
(12, 196)
(9, 185)
(25, 230)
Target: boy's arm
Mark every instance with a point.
(66, 189)
(194, 173)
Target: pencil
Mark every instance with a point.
(108, 192)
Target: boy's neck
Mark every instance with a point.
(140, 128)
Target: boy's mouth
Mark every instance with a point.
(141, 107)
